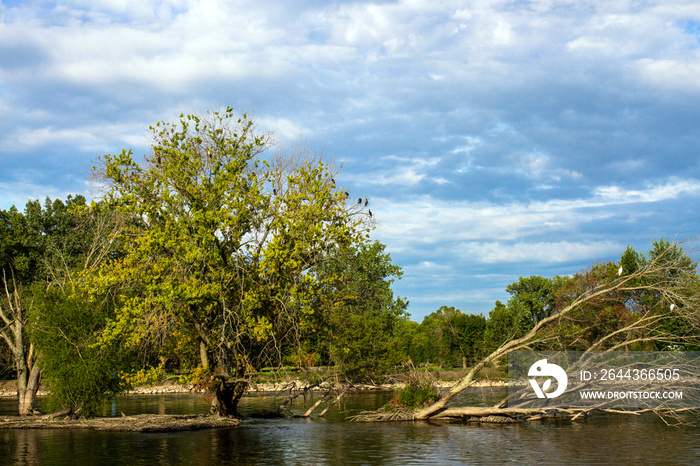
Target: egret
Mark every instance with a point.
(619, 272)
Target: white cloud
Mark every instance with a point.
(485, 106)
(93, 138)
(653, 193)
(402, 171)
(680, 73)
(538, 252)
(423, 221)
(285, 130)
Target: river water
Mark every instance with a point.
(601, 439)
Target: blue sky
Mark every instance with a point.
(494, 139)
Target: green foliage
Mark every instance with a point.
(45, 249)
(534, 296)
(449, 337)
(227, 251)
(631, 261)
(26, 237)
(360, 335)
(413, 396)
(142, 377)
(505, 324)
(645, 314)
(679, 274)
(80, 375)
(418, 391)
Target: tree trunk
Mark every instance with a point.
(227, 394)
(463, 383)
(203, 356)
(526, 340)
(332, 403)
(316, 405)
(27, 387)
(293, 395)
(12, 315)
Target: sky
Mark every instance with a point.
(494, 139)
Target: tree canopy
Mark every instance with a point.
(227, 249)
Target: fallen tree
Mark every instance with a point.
(652, 306)
(332, 394)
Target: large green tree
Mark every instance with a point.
(227, 248)
(47, 322)
(68, 317)
(448, 336)
(27, 240)
(361, 330)
(534, 296)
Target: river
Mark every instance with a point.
(598, 439)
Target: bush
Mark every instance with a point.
(81, 374)
(413, 396)
(420, 389)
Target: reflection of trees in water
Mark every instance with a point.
(608, 439)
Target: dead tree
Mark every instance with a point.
(341, 393)
(13, 330)
(672, 282)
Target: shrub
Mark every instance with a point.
(419, 390)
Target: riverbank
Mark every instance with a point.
(8, 388)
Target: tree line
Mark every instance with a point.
(450, 338)
(215, 258)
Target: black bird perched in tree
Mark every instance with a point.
(366, 202)
(347, 194)
(370, 214)
(359, 201)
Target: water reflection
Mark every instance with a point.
(604, 439)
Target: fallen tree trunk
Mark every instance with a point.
(333, 403)
(315, 405)
(293, 395)
(666, 276)
(534, 414)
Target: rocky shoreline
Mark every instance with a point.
(8, 390)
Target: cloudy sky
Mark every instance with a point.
(494, 138)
